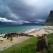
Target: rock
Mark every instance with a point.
(50, 18)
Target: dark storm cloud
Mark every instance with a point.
(22, 10)
(25, 11)
(5, 11)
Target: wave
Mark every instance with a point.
(31, 30)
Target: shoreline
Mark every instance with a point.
(4, 43)
(34, 31)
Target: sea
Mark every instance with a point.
(19, 29)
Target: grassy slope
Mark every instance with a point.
(28, 46)
(50, 39)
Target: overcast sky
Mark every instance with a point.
(25, 11)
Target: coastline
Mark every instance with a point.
(4, 43)
(40, 31)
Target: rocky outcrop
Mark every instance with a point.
(50, 18)
(10, 35)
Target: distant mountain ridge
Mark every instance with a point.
(10, 24)
(6, 24)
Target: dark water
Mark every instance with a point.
(8, 29)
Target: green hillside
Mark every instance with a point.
(28, 46)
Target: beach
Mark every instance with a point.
(4, 43)
(40, 31)
(7, 43)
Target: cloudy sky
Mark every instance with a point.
(25, 11)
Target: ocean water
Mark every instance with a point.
(8, 29)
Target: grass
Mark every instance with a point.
(28, 46)
(50, 39)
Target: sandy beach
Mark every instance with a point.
(7, 43)
(44, 30)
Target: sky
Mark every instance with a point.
(25, 11)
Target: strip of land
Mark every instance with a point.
(7, 43)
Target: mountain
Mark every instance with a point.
(29, 24)
(6, 24)
(10, 24)
(50, 18)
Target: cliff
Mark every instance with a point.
(50, 18)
